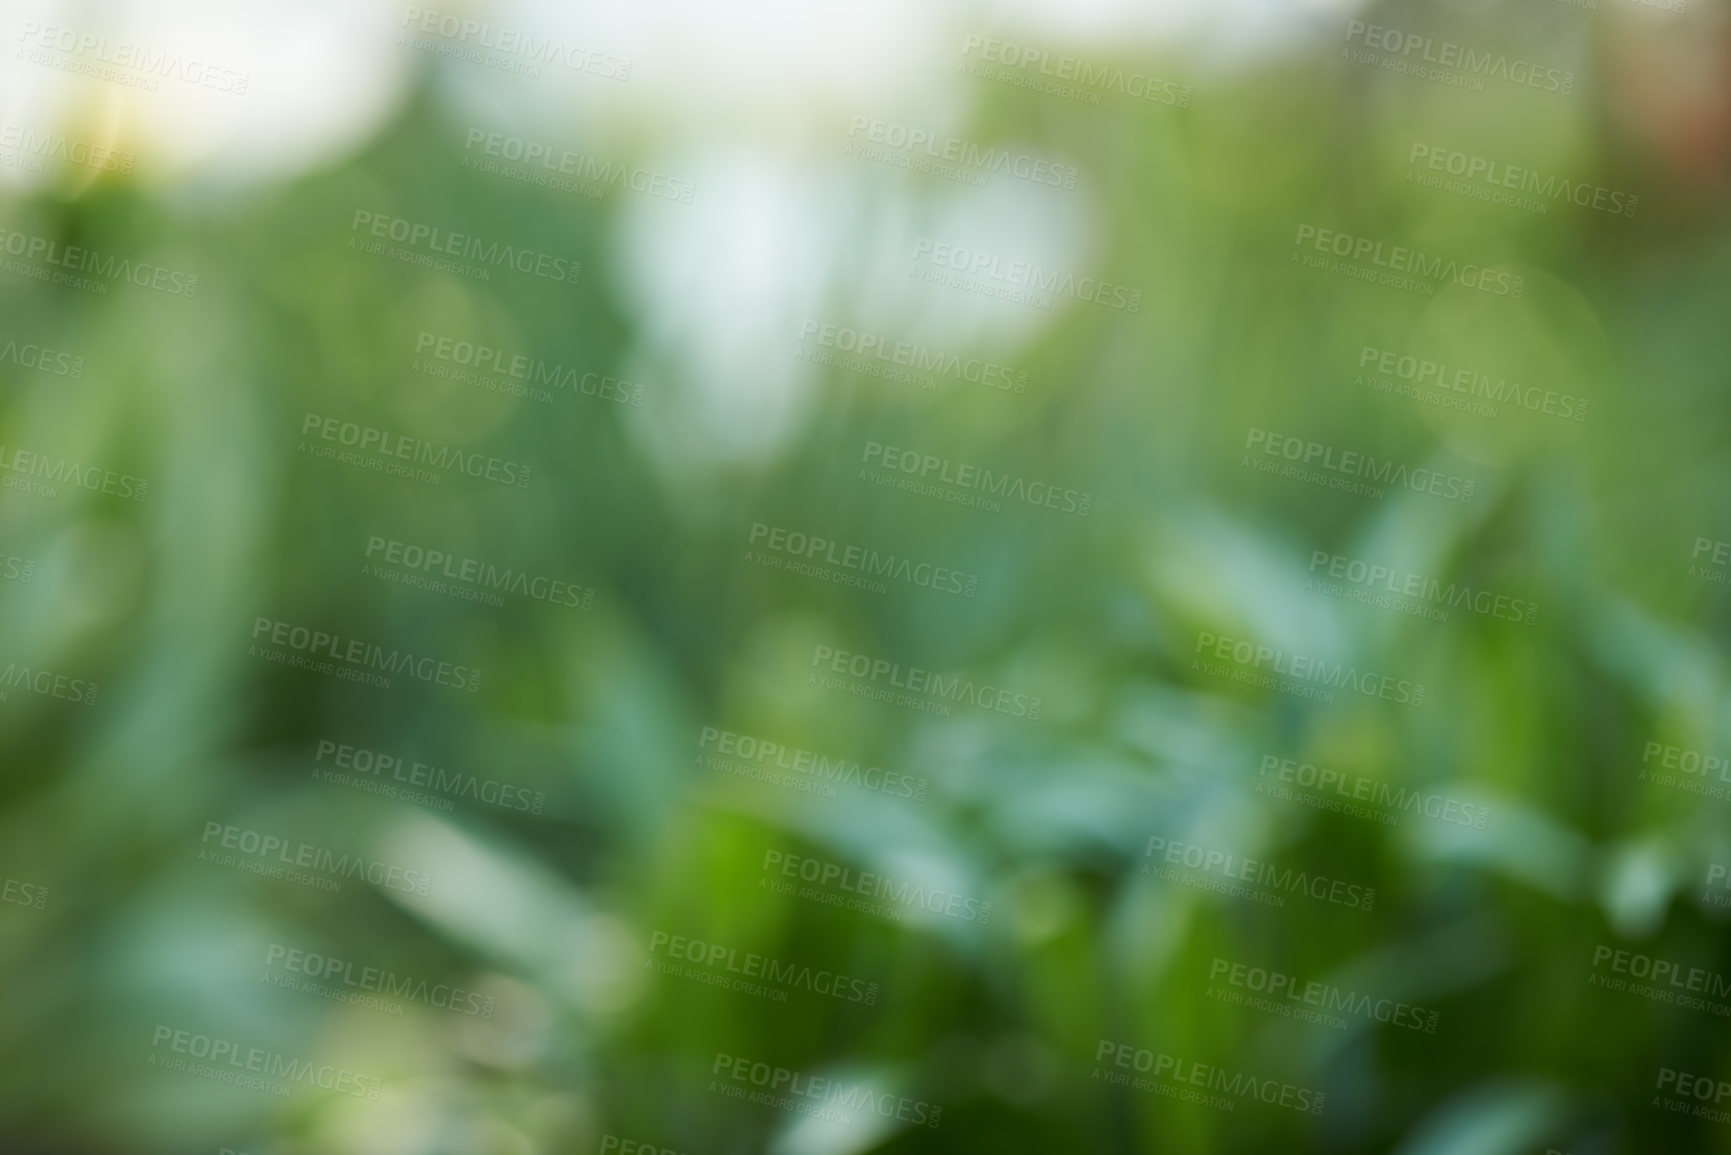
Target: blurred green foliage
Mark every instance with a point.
(999, 1021)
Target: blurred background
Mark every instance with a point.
(842, 577)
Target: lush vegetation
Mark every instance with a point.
(1018, 838)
